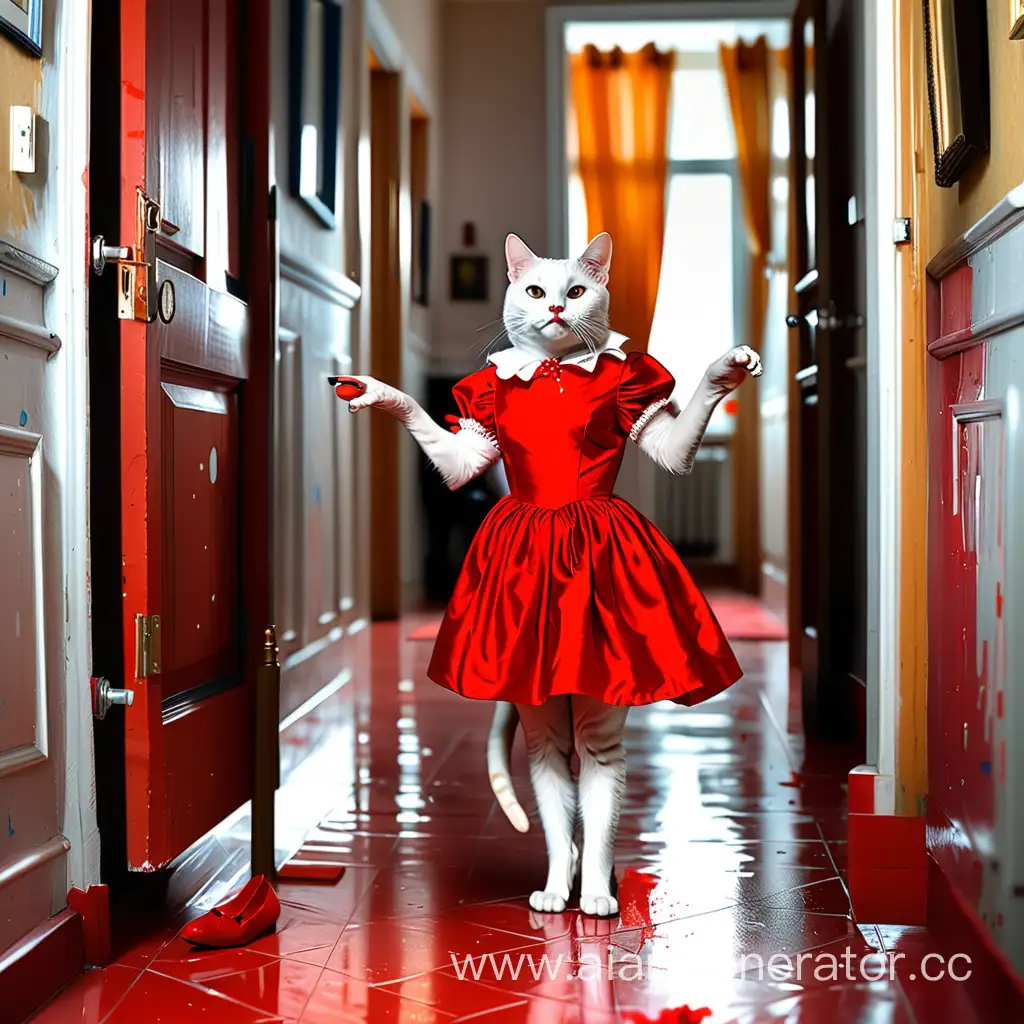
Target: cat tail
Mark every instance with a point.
(499, 763)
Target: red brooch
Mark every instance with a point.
(551, 368)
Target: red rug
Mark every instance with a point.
(740, 616)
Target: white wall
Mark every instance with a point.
(495, 154)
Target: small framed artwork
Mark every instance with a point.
(469, 279)
(1016, 19)
(314, 104)
(421, 257)
(22, 20)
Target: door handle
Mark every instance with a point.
(105, 696)
(137, 287)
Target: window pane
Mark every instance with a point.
(694, 320)
(701, 127)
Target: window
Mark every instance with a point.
(703, 272)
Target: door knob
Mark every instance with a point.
(792, 321)
(102, 254)
(105, 696)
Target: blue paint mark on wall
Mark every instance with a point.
(23, 418)
(3, 288)
(986, 767)
(10, 827)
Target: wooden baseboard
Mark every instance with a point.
(38, 966)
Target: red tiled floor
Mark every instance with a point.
(733, 837)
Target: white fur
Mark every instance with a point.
(458, 457)
(577, 332)
(672, 441)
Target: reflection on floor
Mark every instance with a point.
(730, 858)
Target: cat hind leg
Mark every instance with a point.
(547, 729)
(598, 735)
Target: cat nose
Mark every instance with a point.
(556, 309)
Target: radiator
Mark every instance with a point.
(695, 511)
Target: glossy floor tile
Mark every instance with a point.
(730, 864)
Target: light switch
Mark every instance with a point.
(23, 140)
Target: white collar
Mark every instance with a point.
(521, 363)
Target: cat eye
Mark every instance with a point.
(535, 292)
(575, 292)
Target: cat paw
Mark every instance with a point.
(547, 902)
(599, 906)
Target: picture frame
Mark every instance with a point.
(469, 276)
(421, 256)
(316, 33)
(1016, 19)
(956, 48)
(22, 21)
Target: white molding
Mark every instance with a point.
(387, 45)
(69, 309)
(326, 283)
(557, 17)
(884, 352)
(999, 221)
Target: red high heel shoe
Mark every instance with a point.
(347, 388)
(250, 912)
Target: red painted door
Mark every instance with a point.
(189, 733)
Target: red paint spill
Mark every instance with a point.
(138, 133)
(678, 1015)
(732, 406)
(794, 780)
(635, 902)
(134, 91)
(999, 601)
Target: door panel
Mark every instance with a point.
(182, 401)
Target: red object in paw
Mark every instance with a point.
(348, 388)
(453, 423)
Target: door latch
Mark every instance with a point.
(136, 264)
(147, 646)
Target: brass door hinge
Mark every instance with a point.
(147, 646)
(136, 264)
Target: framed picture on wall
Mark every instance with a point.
(421, 256)
(1016, 19)
(22, 20)
(314, 104)
(469, 279)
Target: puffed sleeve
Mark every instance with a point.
(474, 396)
(644, 390)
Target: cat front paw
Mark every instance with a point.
(599, 906)
(547, 902)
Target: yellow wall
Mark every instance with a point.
(21, 84)
(952, 211)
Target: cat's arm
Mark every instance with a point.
(672, 440)
(459, 457)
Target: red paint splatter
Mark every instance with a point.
(999, 704)
(999, 601)
(678, 1015)
(635, 902)
(732, 406)
(134, 91)
(793, 781)
(138, 133)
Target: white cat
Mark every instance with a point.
(558, 310)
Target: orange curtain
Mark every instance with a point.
(621, 104)
(746, 71)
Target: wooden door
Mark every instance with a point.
(829, 151)
(192, 454)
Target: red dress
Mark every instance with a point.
(567, 588)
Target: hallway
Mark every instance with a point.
(732, 845)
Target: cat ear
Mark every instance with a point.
(520, 257)
(597, 260)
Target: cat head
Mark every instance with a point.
(557, 306)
